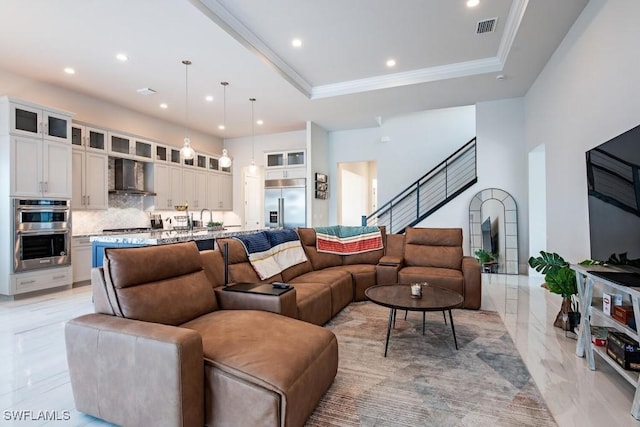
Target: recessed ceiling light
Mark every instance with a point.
(164, 106)
(391, 63)
(221, 127)
(260, 122)
(122, 57)
(208, 98)
(69, 70)
(296, 43)
(473, 3)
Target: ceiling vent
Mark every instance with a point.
(486, 26)
(146, 91)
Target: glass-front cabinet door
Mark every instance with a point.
(162, 153)
(96, 139)
(36, 122)
(295, 158)
(143, 150)
(275, 160)
(174, 156)
(120, 145)
(88, 137)
(214, 164)
(56, 126)
(77, 135)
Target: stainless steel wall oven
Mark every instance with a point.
(42, 234)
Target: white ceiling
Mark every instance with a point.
(337, 79)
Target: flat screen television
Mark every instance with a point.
(613, 180)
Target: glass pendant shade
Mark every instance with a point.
(252, 167)
(187, 152)
(225, 160)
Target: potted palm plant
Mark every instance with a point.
(560, 279)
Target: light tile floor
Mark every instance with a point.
(34, 377)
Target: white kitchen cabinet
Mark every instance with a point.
(285, 164)
(195, 188)
(81, 259)
(90, 180)
(127, 146)
(288, 173)
(40, 122)
(40, 168)
(285, 159)
(220, 191)
(167, 184)
(226, 191)
(39, 142)
(41, 279)
(89, 138)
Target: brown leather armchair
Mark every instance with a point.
(434, 255)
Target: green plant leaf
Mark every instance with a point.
(562, 281)
(547, 262)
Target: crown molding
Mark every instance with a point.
(229, 23)
(215, 11)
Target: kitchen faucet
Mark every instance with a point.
(210, 214)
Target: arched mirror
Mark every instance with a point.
(493, 225)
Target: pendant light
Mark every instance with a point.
(225, 160)
(186, 150)
(252, 166)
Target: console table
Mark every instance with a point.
(591, 313)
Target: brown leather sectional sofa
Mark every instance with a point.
(163, 349)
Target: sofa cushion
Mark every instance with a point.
(440, 277)
(363, 276)
(160, 284)
(433, 247)
(287, 363)
(337, 280)
(314, 302)
(318, 260)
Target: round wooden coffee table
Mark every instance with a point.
(398, 297)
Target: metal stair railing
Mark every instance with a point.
(430, 192)
(614, 180)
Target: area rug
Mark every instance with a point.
(424, 381)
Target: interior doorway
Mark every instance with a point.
(357, 184)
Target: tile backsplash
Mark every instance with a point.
(128, 212)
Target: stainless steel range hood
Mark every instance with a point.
(127, 175)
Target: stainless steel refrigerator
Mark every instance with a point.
(285, 203)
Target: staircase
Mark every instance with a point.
(429, 193)
(613, 180)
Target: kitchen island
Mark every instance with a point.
(205, 239)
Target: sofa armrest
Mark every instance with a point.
(391, 260)
(472, 282)
(130, 372)
(284, 304)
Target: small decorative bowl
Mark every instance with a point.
(181, 208)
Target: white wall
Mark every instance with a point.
(417, 143)
(318, 162)
(587, 93)
(502, 163)
(240, 151)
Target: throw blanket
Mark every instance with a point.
(344, 240)
(271, 252)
